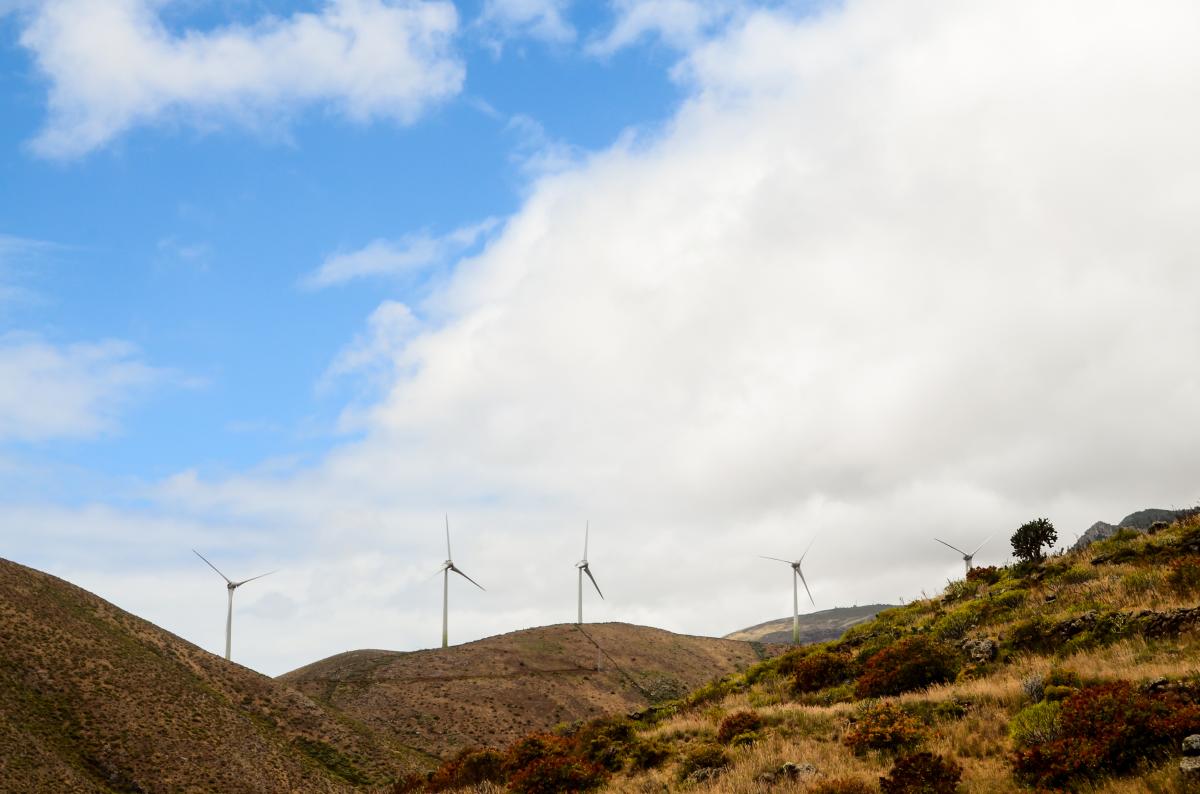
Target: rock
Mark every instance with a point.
(788, 771)
(981, 650)
(1157, 685)
(1191, 745)
(1189, 767)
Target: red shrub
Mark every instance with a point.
(468, 768)
(989, 574)
(555, 774)
(1107, 729)
(820, 670)
(532, 748)
(922, 773)
(884, 726)
(911, 663)
(736, 724)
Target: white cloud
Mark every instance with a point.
(897, 271)
(410, 253)
(112, 66)
(67, 391)
(541, 19)
(681, 24)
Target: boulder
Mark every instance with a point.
(980, 650)
(1191, 745)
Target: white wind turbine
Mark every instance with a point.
(582, 565)
(797, 574)
(967, 556)
(447, 567)
(230, 585)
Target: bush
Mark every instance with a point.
(534, 747)
(1035, 724)
(468, 768)
(884, 726)
(736, 724)
(820, 670)
(1029, 540)
(922, 773)
(707, 759)
(842, 785)
(1107, 729)
(650, 754)
(1183, 576)
(988, 574)
(912, 663)
(605, 742)
(556, 774)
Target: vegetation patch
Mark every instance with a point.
(922, 773)
(909, 664)
(884, 726)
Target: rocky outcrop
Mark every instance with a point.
(1142, 521)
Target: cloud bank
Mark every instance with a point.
(893, 271)
(112, 65)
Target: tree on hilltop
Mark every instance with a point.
(1028, 541)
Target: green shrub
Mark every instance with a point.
(1029, 540)
(922, 773)
(955, 624)
(605, 742)
(912, 663)
(648, 754)
(884, 726)
(1010, 599)
(737, 724)
(1107, 729)
(705, 759)
(1183, 577)
(1035, 724)
(1077, 574)
(820, 670)
(1140, 582)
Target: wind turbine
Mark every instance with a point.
(230, 585)
(582, 565)
(447, 567)
(796, 574)
(967, 557)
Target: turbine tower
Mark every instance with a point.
(447, 567)
(797, 574)
(230, 585)
(582, 565)
(967, 557)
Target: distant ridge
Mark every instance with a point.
(491, 692)
(828, 624)
(1141, 521)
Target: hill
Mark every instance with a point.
(490, 692)
(1073, 673)
(1140, 520)
(95, 699)
(828, 624)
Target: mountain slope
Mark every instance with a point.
(490, 692)
(828, 624)
(95, 699)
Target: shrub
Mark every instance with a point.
(650, 754)
(989, 574)
(884, 726)
(605, 742)
(1029, 540)
(468, 768)
(820, 670)
(1184, 576)
(922, 773)
(1107, 729)
(707, 759)
(912, 663)
(555, 774)
(842, 785)
(955, 624)
(534, 747)
(736, 724)
(1035, 724)
(1010, 598)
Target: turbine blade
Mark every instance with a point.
(210, 565)
(588, 571)
(776, 559)
(801, 575)
(805, 554)
(944, 543)
(469, 579)
(981, 545)
(586, 527)
(449, 556)
(252, 578)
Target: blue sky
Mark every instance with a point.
(289, 282)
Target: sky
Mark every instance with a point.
(290, 282)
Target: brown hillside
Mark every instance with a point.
(490, 692)
(95, 699)
(823, 626)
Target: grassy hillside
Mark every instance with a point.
(1078, 673)
(95, 699)
(491, 692)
